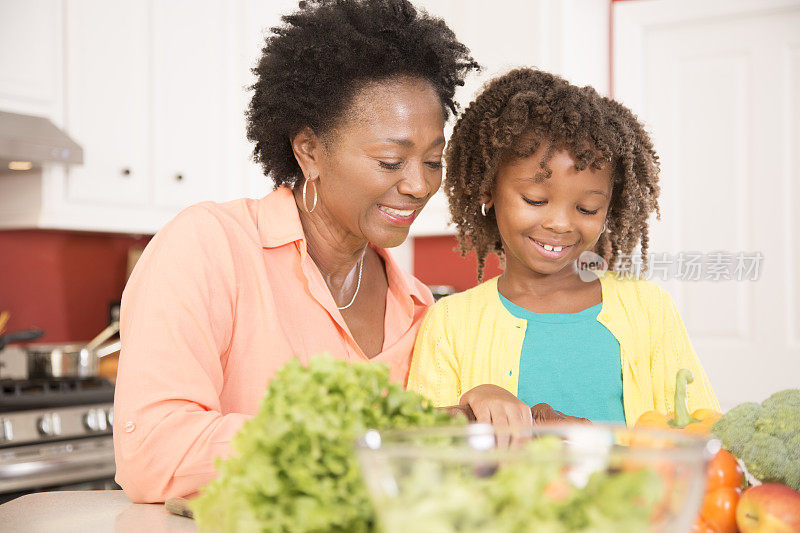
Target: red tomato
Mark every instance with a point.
(719, 509)
(723, 471)
(700, 526)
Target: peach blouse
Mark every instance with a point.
(222, 297)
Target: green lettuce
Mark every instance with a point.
(524, 495)
(294, 467)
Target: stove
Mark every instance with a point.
(55, 434)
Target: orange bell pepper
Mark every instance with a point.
(699, 422)
(724, 476)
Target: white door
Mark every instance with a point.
(718, 84)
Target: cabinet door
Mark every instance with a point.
(190, 46)
(107, 100)
(30, 65)
(254, 18)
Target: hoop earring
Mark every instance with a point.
(483, 209)
(605, 228)
(305, 203)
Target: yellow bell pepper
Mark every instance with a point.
(699, 422)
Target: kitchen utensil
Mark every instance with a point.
(60, 361)
(179, 506)
(20, 336)
(566, 477)
(103, 336)
(67, 360)
(4, 316)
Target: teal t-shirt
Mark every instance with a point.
(571, 362)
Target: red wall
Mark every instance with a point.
(62, 281)
(437, 263)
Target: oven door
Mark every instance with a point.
(56, 465)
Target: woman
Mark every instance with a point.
(347, 118)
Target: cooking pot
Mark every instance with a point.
(66, 360)
(60, 361)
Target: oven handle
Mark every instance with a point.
(77, 459)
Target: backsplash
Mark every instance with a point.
(62, 281)
(437, 263)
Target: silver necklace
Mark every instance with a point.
(358, 284)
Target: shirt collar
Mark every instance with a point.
(278, 219)
(403, 282)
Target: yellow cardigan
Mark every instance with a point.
(470, 339)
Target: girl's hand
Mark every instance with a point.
(495, 405)
(542, 413)
(457, 411)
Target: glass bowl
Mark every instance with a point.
(547, 479)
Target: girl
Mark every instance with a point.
(541, 171)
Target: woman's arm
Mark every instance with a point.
(176, 325)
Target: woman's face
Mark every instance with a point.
(379, 167)
(545, 224)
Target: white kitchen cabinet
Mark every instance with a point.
(30, 62)
(189, 75)
(253, 19)
(107, 60)
(145, 80)
(155, 93)
(147, 88)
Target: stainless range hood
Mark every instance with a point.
(32, 139)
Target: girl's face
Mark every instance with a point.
(546, 224)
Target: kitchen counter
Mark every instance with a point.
(91, 510)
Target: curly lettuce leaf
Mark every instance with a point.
(294, 467)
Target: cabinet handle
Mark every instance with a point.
(178, 177)
(126, 172)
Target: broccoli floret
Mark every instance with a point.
(766, 437)
(765, 457)
(782, 421)
(735, 429)
(793, 446)
(788, 397)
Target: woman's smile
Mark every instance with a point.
(399, 216)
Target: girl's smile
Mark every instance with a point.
(551, 251)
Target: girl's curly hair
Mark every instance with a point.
(313, 64)
(526, 109)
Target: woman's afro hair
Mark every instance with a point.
(313, 64)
